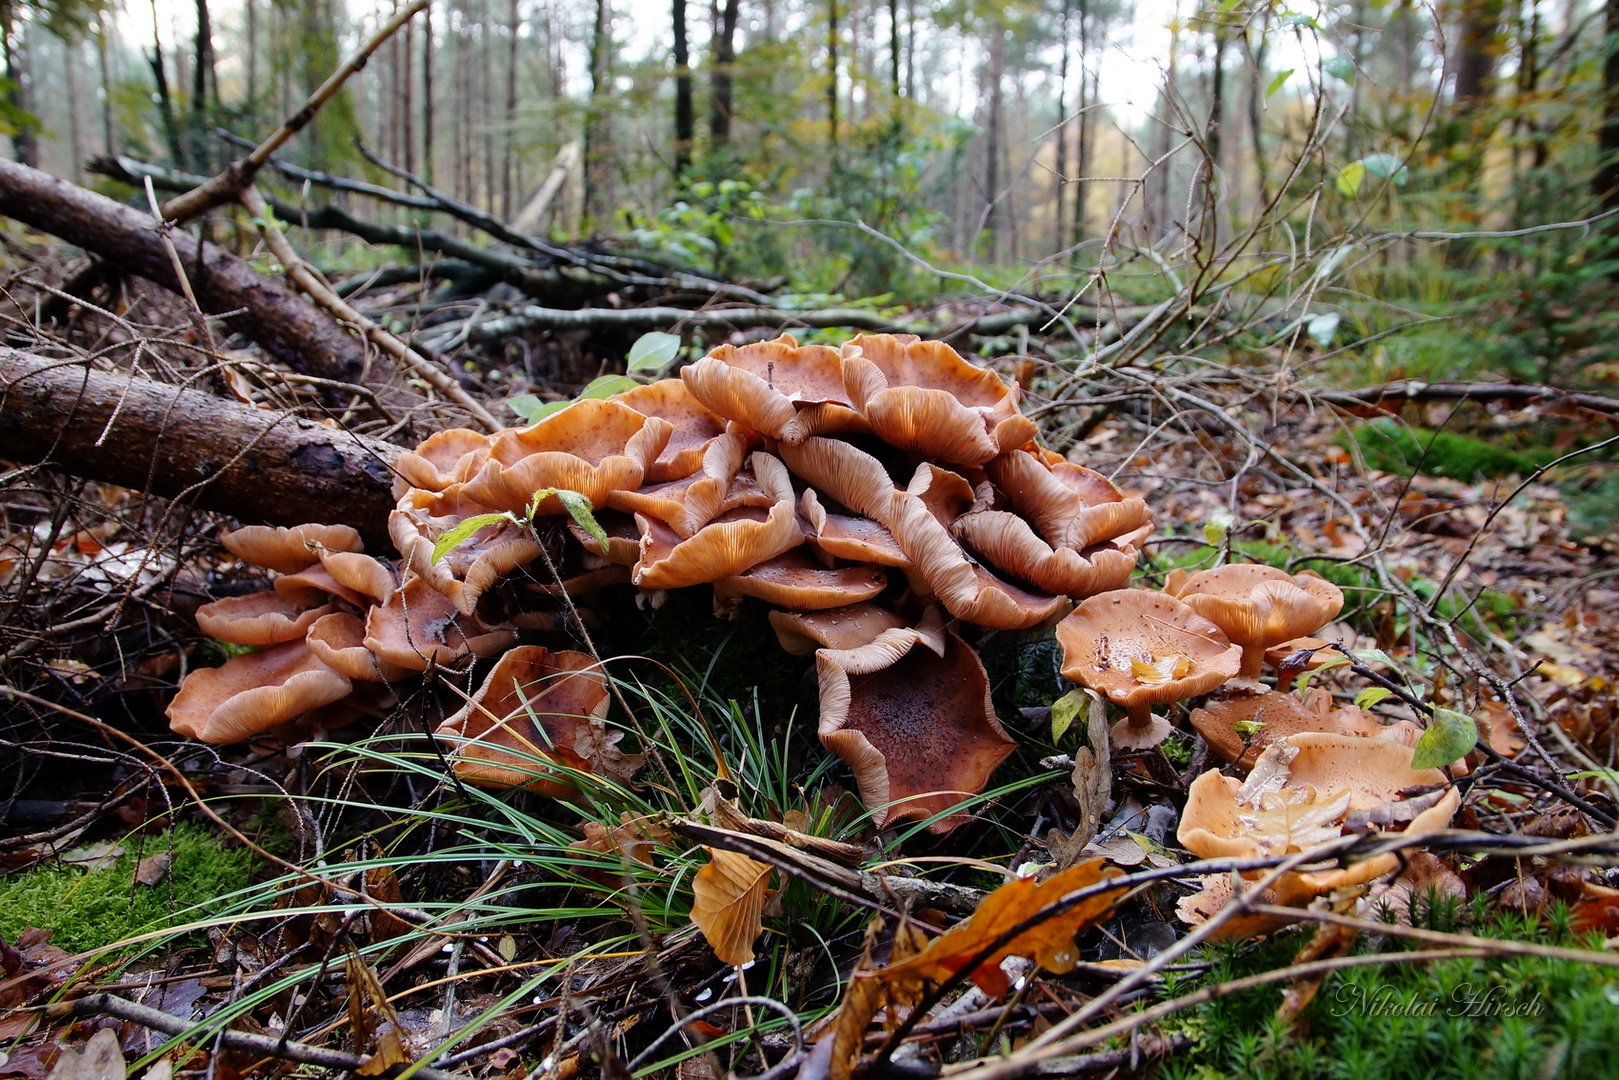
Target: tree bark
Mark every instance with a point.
(832, 78)
(289, 328)
(685, 122)
(719, 82)
(1606, 182)
(256, 465)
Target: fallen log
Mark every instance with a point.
(288, 327)
(1390, 397)
(260, 466)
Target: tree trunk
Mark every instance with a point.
(832, 78)
(596, 141)
(719, 83)
(428, 104)
(1062, 126)
(204, 83)
(1083, 101)
(685, 121)
(255, 464)
(165, 100)
(108, 132)
(1475, 53)
(288, 327)
(75, 132)
(510, 180)
(995, 76)
(1606, 183)
(250, 11)
(893, 53)
(24, 141)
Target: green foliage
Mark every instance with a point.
(88, 908)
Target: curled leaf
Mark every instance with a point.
(728, 903)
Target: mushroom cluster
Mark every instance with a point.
(877, 496)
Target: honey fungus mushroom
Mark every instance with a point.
(1143, 649)
(1258, 606)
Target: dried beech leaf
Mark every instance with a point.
(1051, 942)
(1296, 819)
(1161, 670)
(1329, 941)
(101, 1057)
(728, 903)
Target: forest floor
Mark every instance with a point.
(264, 909)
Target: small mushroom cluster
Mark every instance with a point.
(1143, 649)
(876, 496)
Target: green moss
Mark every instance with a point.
(90, 908)
(1395, 447)
(1495, 1017)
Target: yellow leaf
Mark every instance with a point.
(1161, 670)
(729, 899)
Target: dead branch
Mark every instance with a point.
(255, 464)
(274, 1046)
(1390, 397)
(315, 287)
(289, 328)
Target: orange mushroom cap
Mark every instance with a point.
(1302, 790)
(338, 641)
(1143, 649)
(1068, 505)
(910, 713)
(263, 618)
(1010, 544)
(687, 504)
(802, 632)
(594, 447)
(693, 426)
(848, 536)
(795, 581)
(249, 694)
(419, 627)
(924, 397)
(288, 549)
(1279, 715)
(444, 458)
(1258, 606)
(536, 705)
(776, 388)
(732, 543)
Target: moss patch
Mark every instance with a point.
(87, 908)
(1485, 1018)
(1394, 447)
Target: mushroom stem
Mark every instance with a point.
(1253, 660)
(1139, 715)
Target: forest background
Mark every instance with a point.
(1072, 144)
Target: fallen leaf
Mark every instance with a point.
(1161, 670)
(728, 903)
(1329, 941)
(153, 869)
(93, 854)
(99, 1059)
(1093, 770)
(1050, 942)
(1296, 819)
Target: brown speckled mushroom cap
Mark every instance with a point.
(1258, 606)
(420, 627)
(536, 705)
(252, 693)
(910, 713)
(1278, 716)
(1144, 649)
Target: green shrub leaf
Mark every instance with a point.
(1450, 734)
(450, 540)
(653, 352)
